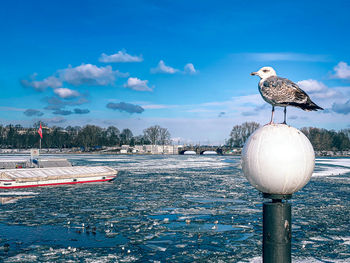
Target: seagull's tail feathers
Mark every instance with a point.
(310, 106)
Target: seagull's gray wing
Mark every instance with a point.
(283, 91)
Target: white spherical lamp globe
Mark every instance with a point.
(278, 159)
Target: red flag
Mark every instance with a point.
(40, 131)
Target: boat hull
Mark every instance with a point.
(55, 182)
(24, 178)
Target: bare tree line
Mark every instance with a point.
(16, 136)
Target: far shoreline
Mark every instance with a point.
(71, 151)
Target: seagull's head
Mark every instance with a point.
(264, 72)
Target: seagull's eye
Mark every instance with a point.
(265, 70)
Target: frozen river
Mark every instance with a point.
(171, 209)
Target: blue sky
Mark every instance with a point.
(183, 65)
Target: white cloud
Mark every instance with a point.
(138, 84)
(49, 82)
(189, 68)
(121, 56)
(342, 71)
(85, 74)
(312, 86)
(89, 74)
(65, 93)
(286, 56)
(317, 89)
(162, 68)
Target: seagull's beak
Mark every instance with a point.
(253, 73)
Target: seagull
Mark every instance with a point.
(282, 92)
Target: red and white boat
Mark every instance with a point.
(34, 177)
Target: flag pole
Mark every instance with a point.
(40, 131)
(40, 139)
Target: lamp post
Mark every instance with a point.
(278, 160)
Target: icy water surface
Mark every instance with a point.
(171, 209)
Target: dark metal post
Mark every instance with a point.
(277, 229)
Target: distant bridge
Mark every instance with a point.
(201, 149)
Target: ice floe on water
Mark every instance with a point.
(345, 162)
(332, 167)
(331, 171)
(67, 255)
(108, 160)
(171, 209)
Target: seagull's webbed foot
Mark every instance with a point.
(269, 123)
